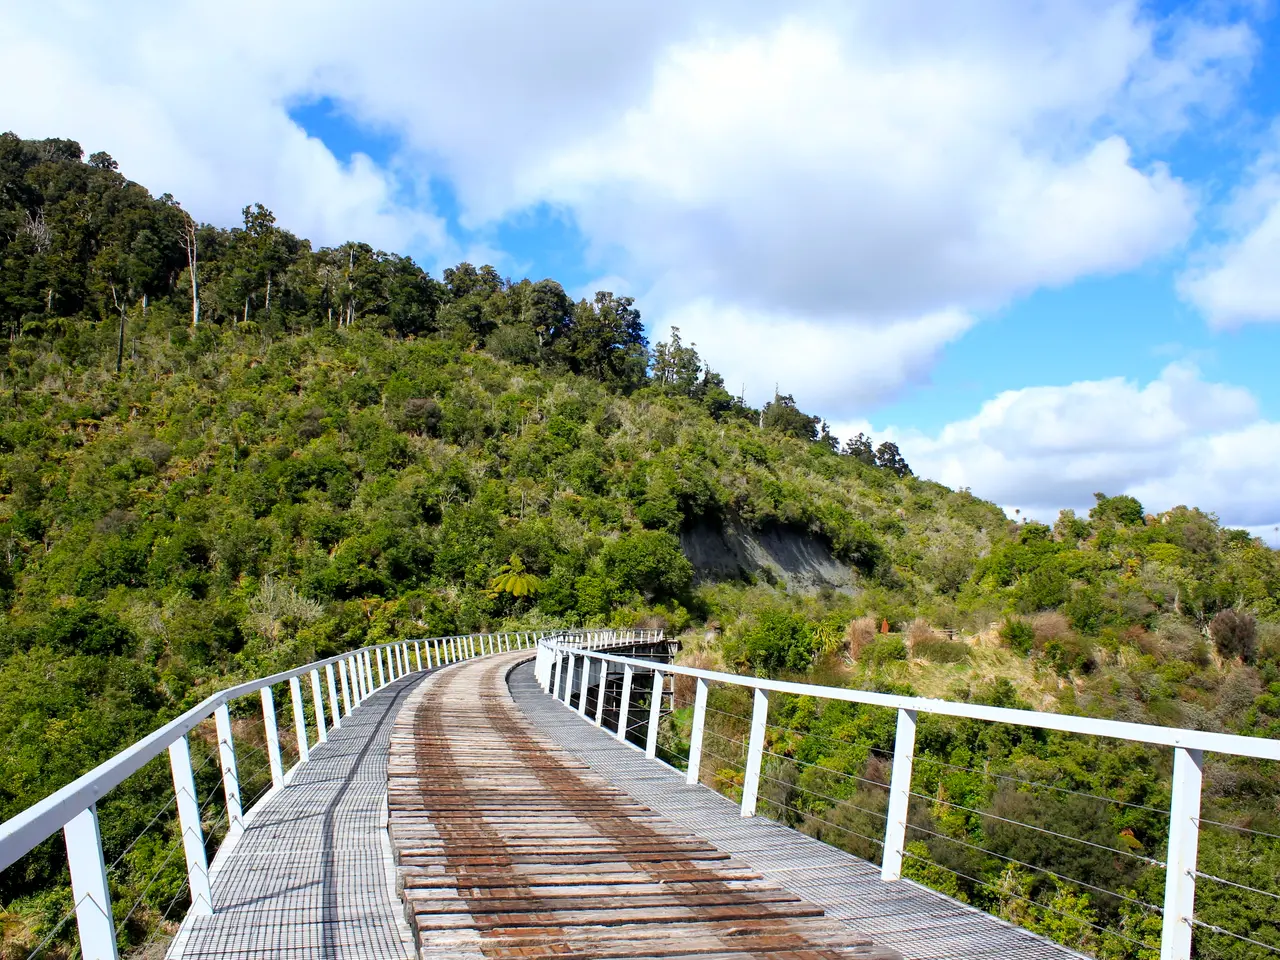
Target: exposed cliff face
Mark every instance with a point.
(736, 552)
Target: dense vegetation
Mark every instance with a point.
(223, 452)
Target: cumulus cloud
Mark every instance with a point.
(1237, 281)
(1178, 439)
(835, 369)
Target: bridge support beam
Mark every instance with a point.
(317, 697)
(604, 682)
(655, 716)
(895, 828)
(755, 754)
(89, 887)
(273, 738)
(230, 771)
(1184, 842)
(299, 720)
(184, 789)
(624, 705)
(695, 735)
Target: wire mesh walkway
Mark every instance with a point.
(312, 877)
(915, 921)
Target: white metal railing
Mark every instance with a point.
(1189, 747)
(348, 680)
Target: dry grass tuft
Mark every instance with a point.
(859, 635)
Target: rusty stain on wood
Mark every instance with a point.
(508, 846)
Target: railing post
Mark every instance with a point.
(273, 737)
(230, 771)
(1184, 842)
(624, 706)
(895, 828)
(367, 658)
(471, 643)
(554, 679)
(417, 653)
(604, 678)
(317, 697)
(568, 680)
(346, 687)
(755, 754)
(335, 716)
(655, 716)
(436, 641)
(695, 735)
(382, 675)
(299, 720)
(89, 888)
(184, 789)
(586, 686)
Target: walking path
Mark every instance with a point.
(510, 847)
(312, 878)
(916, 921)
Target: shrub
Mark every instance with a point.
(1050, 625)
(920, 632)
(778, 640)
(1070, 653)
(858, 635)
(1235, 635)
(885, 650)
(938, 650)
(1018, 634)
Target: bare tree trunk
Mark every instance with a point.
(144, 306)
(246, 309)
(189, 242)
(121, 305)
(268, 304)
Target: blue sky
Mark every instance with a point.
(1034, 243)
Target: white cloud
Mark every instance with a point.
(1237, 281)
(831, 368)
(1176, 440)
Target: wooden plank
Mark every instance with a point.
(508, 847)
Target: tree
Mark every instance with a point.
(860, 449)
(513, 579)
(1124, 510)
(676, 367)
(191, 247)
(1235, 635)
(782, 416)
(888, 457)
(605, 340)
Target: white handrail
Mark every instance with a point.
(73, 808)
(1188, 760)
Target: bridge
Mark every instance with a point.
(505, 795)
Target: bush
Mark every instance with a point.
(938, 650)
(1235, 635)
(778, 640)
(920, 632)
(1050, 625)
(884, 651)
(859, 635)
(1018, 634)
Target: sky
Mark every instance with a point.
(1036, 244)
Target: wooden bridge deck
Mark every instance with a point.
(509, 846)
(524, 831)
(919, 923)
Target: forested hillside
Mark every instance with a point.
(224, 451)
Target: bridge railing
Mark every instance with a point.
(327, 690)
(580, 674)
